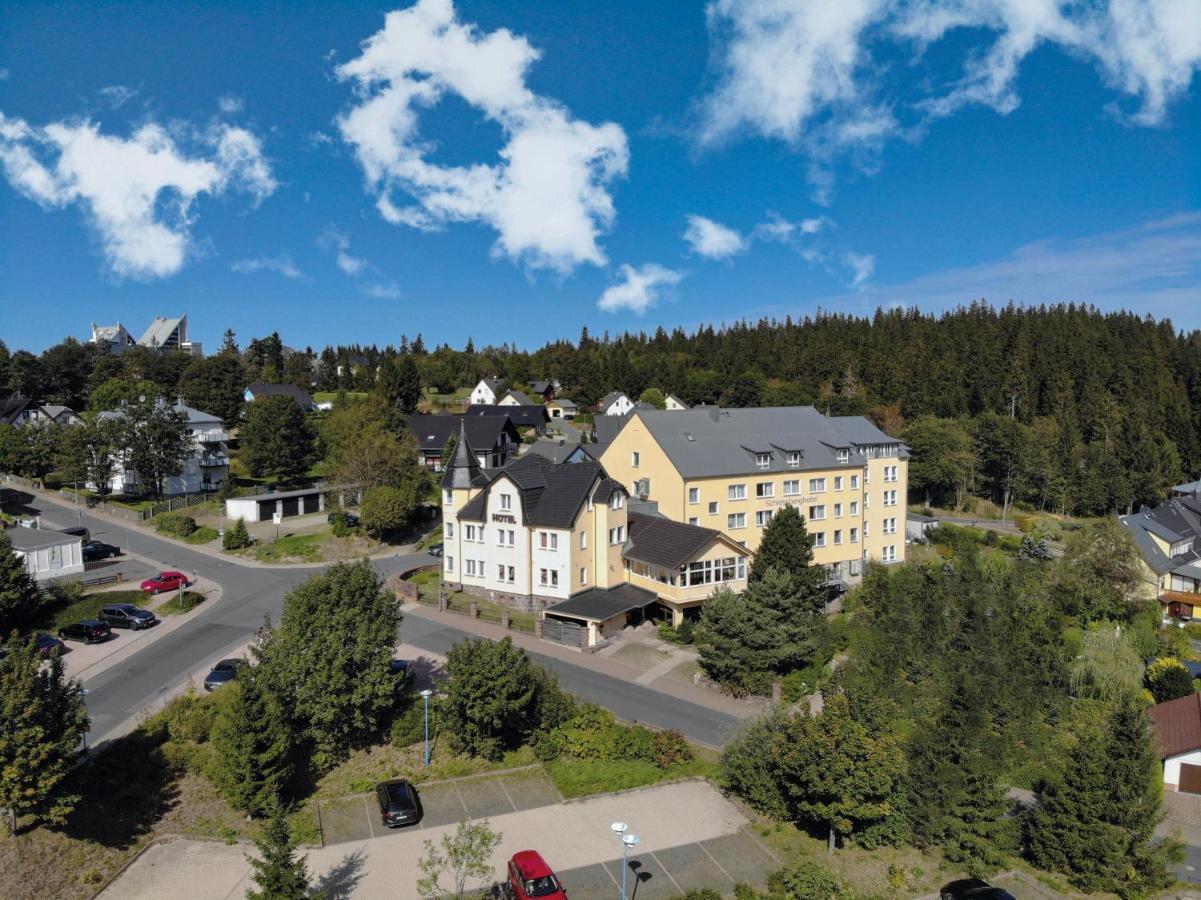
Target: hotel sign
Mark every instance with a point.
(504, 518)
(789, 501)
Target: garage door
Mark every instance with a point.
(1190, 779)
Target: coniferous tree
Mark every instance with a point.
(276, 870)
(787, 547)
(19, 597)
(236, 537)
(253, 745)
(276, 438)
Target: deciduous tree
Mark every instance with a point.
(490, 697)
(459, 858)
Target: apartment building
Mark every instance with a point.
(560, 538)
(1168, 539)
(731, 470)
(206, 467)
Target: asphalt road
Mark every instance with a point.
(250, 593)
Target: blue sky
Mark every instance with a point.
(342, 172)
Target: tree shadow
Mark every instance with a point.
(425, 672)
(340, 881)
(122, 792)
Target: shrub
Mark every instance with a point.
(408, 728)
(671, 749)
(340, 525)
(1168, 679)
(800, 684)
(387, 508)
(175, 524)
(236, 537)
(699, 894)
(634, 743)
(804, 880)
(682, 635)
(589, 734)
(748, 765)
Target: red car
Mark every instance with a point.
(530, 876)
(165, 581)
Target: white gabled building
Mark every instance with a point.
(487, 392)
(205, 469)
(615, 403)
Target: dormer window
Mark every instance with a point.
(618, 501)
(794, 458)
(843, 456)
(762, 460)
(506, 502)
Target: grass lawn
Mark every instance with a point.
(175, 607)
(306, 547)
(201, 535)
(367, 768)
(87, 607)
(581, 778)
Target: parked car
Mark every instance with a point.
(530, 876)
(48, 643)
(89, 631)
(398, 803)
(223, 673)
(350, 519)
(126, 615)
(99, 550)
(436, 549)
(77, 531)
(973, 889)
(165, 581)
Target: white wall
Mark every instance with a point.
(620, 406)
(1171, 766)
(483, 394)
(54, 562)
(558, 560)
(242, 509)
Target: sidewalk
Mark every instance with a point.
(706, 697)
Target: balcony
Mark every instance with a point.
(211, 436)
(212, 460)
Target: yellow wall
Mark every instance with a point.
(876, 512)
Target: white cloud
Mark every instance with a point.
(639, 289)
(281, 265)
(388, 291)
(548, 195)
(138, 192)
(117, 95)
(333, 238)
(230, 105)
(861, 266)
(713, 240)
(804, 73)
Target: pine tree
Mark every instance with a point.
(787, 548)
(277, 871)
(253, 746)
(236, 537)
(19, 597)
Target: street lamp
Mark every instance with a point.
(621, 829)
(425, 695)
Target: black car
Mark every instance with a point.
(126, 615)
(975, 889)
(99, 550)
(402, 669)
(48, 643)
(223, 673)
(349, 519)
(436, 549)
(398, 803)
(90, 631)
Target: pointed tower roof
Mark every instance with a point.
(462, 469)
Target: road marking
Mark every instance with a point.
(508, 796)
(666, 872)
(616, 883)
(462, 802)
(715, 862)
(370, 824)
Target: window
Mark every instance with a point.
(854, 535)
(889, 553)
(890, 497)
(634, 459)
(548, 540)
(712, 507)
(449, 529)
(544, 577)
(470, 568)
(736, 520)
(838, 510)
(693, 520)
(506, 537)
(854, 507)
(819, 539)
(794, 459)
(618, 501)
(765, 489)
(817, 485)
(890, 526)
(506, 502)
(838, 482)
(583, 540)
(817, 513)
(867, 530)
(867, 501)
(448, 497)
(890, 473)
(554, 578)
(470, 532)
(762, 517)
(736, 492)
(855, 567)
(710, 571)
(583, 574)
(843, 456)
(792, 487)
(617, 535)
(450, 564)
(838, 535)
(694, 495)
(854, 482)
(762, 460)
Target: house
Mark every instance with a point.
(560, 451)
(263, 507)
(534, 417)
(170, 334)
(48, 554)
(301, 396)
(614, 403)
(671, 401)
(494, 438)
(486, 393)
(552, 537)
(730, 470)
(561, 408)
(605, 429)
(918, 526)
(116, 337)
(205, 469)
(1167, 540)
(1177, 726)
(355, 362)
(18, 411)
(545, 389)
(515, 398)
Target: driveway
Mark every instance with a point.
(690, 836)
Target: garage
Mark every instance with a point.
(1178, 738)
(263, 507)
(1190, 778)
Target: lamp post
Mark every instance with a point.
(425, 695)
(621, 829)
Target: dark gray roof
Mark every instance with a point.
(522, 399)
(12, 407)
(300, 395)
(607, 428)
(610, 398)
(662, 542)
(39, 538)
(597, 604)
(564, 403)
(606, 489)
(1176, 519)
(523, 416)
(494, 384)
(483, 432)
(555, 451)
(550, 494)
(462, 469)
(710, 441)
(283, 495)
(540, 387)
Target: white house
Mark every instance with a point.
(48, 554)
(205, 469)
(671, 401)
(487, 392)
(18, 411)
(1178, 735)
(615, 403)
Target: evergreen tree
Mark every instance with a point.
(787, 547)
(276, 438)
(19, 597)
(253, 746)
(215, 384)
(276, 870)
(229, 343)
(42, 721)
(1169, 679)
(400, 383)
(236, 537)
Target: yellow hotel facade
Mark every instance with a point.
(732, 469)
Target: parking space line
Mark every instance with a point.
(666, 872)
(462, 802)
(616, 883)
(762, 846)
(367, 812)
(508, 796)
(715, 862)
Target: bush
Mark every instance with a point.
(804, 880)
(800, 684)
(748, 765)
(387, 508)
(1168, 679)
(635, 742)
(699, 894)
(340, 525)
(236, 537)
(175, 524)
(671, 749)
(408, 728)
(589, 734)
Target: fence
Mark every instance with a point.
(183, 501)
